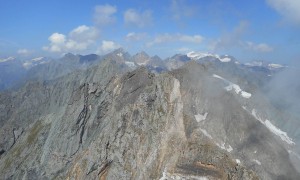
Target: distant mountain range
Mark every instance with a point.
(15, 71)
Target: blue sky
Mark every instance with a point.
(249, 30)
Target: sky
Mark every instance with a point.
(249, 30)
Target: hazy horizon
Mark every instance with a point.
(256, 30)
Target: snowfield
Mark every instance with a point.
(283, 135)
(197, 55)
(257, 162)
(200, 117)
(206, 133)
(37, 59)
(275, 66)
(225, 59)
(130, 64)
(7, 59)
(231, 86)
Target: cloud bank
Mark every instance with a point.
(139, 19)
(180, 10)
(107, 46)
(165, 38)
(132, 36)
(24, 52)
(79, 39)
(235, 39)
(104, 15)
(289, 9)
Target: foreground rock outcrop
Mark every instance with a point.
(111, 123)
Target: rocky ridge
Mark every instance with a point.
(109, 122)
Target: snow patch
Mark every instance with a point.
(226, 59)
(222, 145)
(228, 148)
(245, 94)
(219, 77)
(34, 62)
(201, 178)
(120, 54)
(234, 87)
(238, 161)
(256, 161)
(200, 117)
(167, 176)
(256, 116)
(7, 59)
(206, 133)
(283, 135)
(231, 86)
(130, 64)
(275, 66)
(164, 175)
(37, 59)
(142, 64)
(198, 55)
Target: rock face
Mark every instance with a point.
(108, 122)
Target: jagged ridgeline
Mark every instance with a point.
(140, 117)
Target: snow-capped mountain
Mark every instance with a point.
(264, 64)
(34, 62)
(176, 61)
(141, 58)
(198, 55)
(7, 59)
(154, 63)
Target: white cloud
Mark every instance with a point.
(107, 46)
(191, 39)
(132, 36)
(230, 39)
(261, 47)
(57, 38)
(24, 52)
(184, 49)
(139, 19)
(164, 38)
(180, 10)
(234, 39)
(103, 14)
(84, 33)
(289, 9)
(79, 39)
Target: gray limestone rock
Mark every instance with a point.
(107, 122)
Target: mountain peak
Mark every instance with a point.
(199, 55)
(119, 50)
(156, 57)
(69, 55)
(142, 54)
(141, 58)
